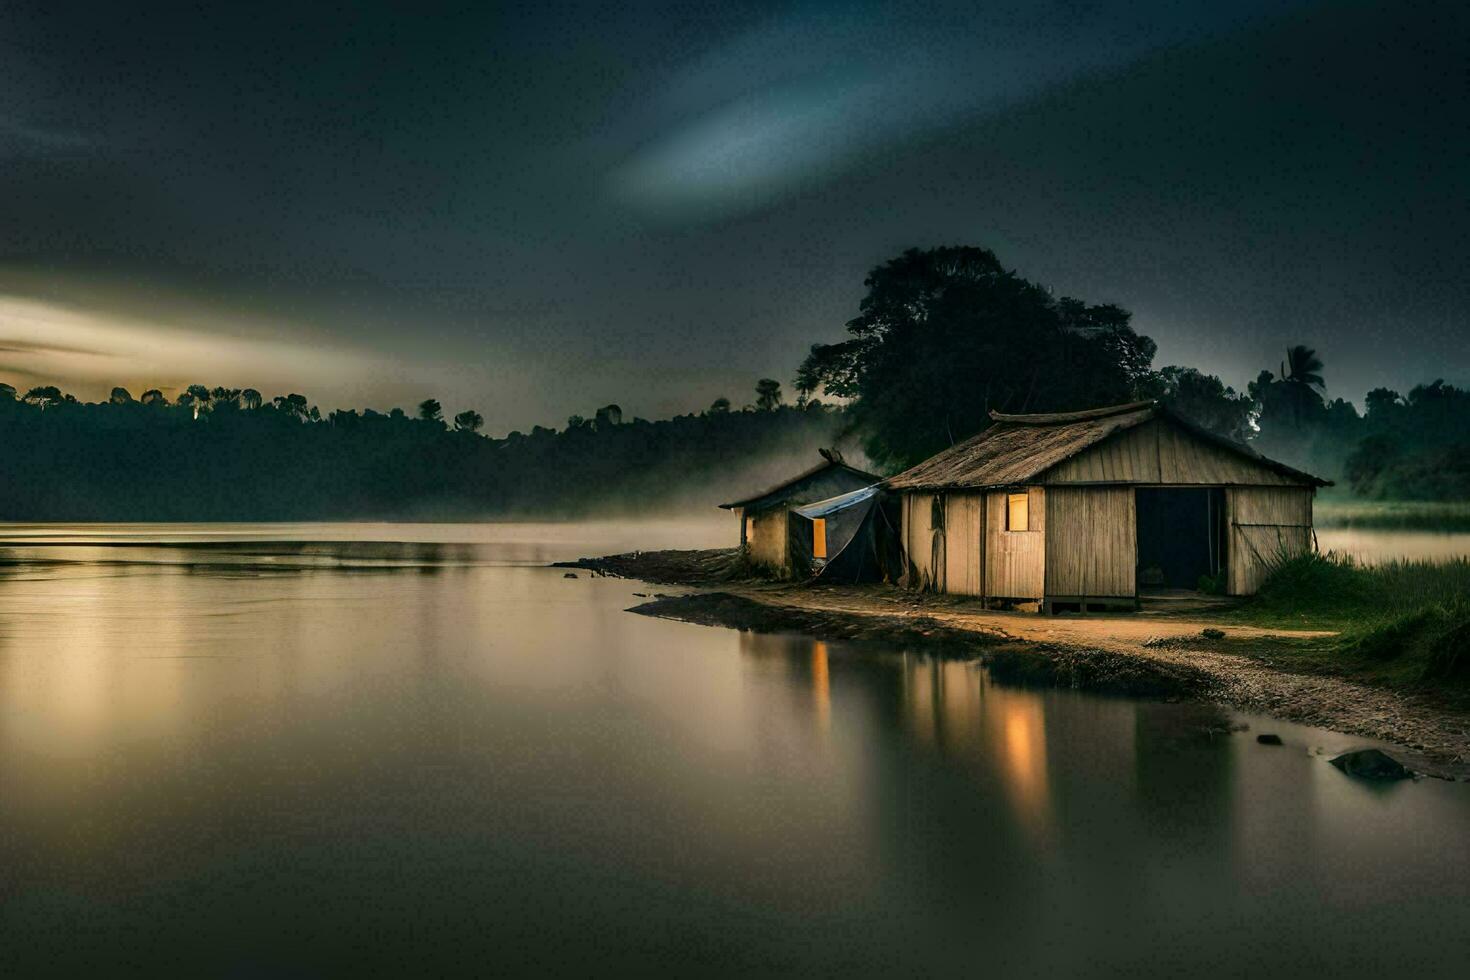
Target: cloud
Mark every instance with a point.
(18, 138)
(800, 98)
(90, 351)
(22, 347)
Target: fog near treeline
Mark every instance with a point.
(941, 338)
(126, 460)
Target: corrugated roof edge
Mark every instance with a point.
(821, 508)
(824, 465)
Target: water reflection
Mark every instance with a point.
(234, 768)
(1375, 546)
(1024, 740)
(952, 708)
(821, 686)
(1139, 815)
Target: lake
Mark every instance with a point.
(404, 750)
(1376, 545)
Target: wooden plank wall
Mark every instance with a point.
(1014, 560)
(918, 540)
(1266, 524)
(1159, 452)
(964, 543)
(766, 544)
(1091, 542)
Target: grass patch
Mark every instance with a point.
(1430, 644)
(1393, 515)
(1401, 624)
(1335, 591)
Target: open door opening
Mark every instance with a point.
(1181, 537)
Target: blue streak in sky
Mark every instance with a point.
(797, 100)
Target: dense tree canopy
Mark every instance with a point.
(1415, 447)
(944, 336)
(1203, 399)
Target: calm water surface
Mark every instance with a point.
(409, 751)
(1375, 545)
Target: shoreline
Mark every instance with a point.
(1157, 653)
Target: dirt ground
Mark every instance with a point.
(1165, 633)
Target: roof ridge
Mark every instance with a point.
(1062, 418)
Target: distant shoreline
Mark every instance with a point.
(1439, 517)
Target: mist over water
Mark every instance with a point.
(412, 751)
(1374, 546)
(262, 547)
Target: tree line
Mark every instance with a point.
(216, 453)
(942, 337)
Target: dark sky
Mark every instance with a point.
(536, 209)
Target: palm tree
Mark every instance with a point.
(1301, 374)
(1302, 366)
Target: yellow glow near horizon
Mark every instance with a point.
(43, 342)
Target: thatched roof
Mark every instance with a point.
(1019, 448)
(791, 488)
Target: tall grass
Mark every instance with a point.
(1401, 622)
(1336, 586)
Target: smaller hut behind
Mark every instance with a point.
(766, 518)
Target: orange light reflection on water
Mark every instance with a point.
(821, 686)
(951, 708)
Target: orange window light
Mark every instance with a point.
(1018, 513)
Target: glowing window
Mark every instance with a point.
(1018, 512)
(819, 538)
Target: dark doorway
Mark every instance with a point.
(1181, 536)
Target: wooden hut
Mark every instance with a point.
(1089, 509)
(765, 518)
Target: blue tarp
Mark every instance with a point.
(823, 508)
(859, 529)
